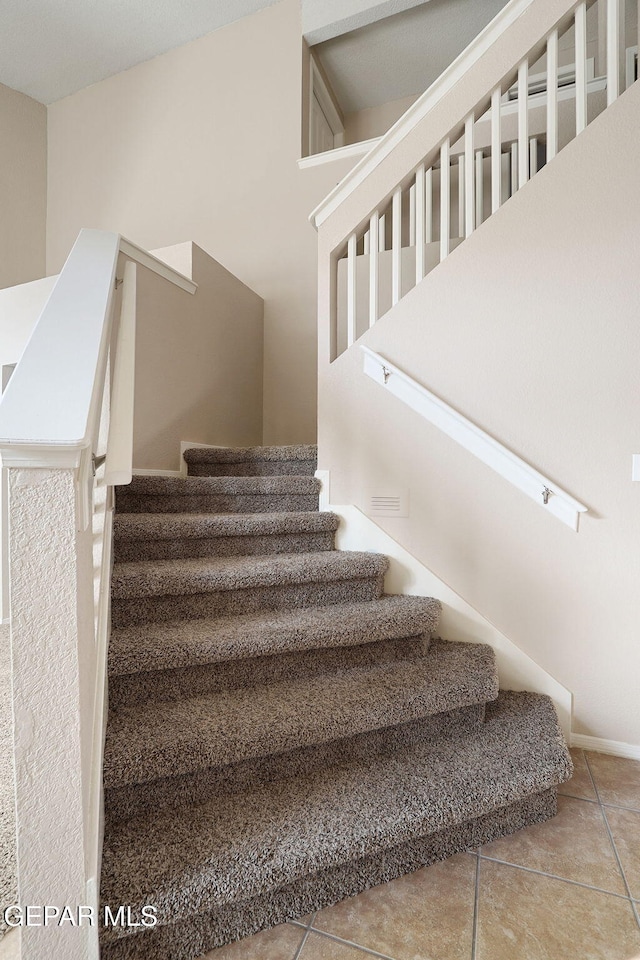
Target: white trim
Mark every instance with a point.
(103, 630)
(119, 458)
(146, 259)
(325, 494)
(318, 89)
(63, 456)
(146, 472)
(617, 748)
(536, 486)
(338, 153)
(459, 620)
(420, 109)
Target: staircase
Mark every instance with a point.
(281, 733)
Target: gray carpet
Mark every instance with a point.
(281, 734)
(8, 883)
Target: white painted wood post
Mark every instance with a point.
(581, 66)
(461, 183)
(613, 50)
(479, 187)
(420, 210)
(119, 462)
(469, 177)
(445, 199)
(374, 226)
(496, 151)
(428, 215)
(412, 214)
(396, 246)
(351, 289)
(382, 233)
(514, 168)
(366, 243)
(552, 95)
(523, 123)
(533, 156)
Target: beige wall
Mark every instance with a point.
(198, 361)
(23, 187)
(530, 330)
(374, 121)
(201, 143)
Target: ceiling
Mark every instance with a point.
(403, 54)
(51, 48)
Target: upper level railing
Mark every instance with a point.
(529, 83)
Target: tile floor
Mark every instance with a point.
(565, 890)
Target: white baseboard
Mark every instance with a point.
(143, 472)
(617, 748)
(459, 620)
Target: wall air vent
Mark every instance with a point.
(391, 503)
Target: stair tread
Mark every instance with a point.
(173, 526)
(235, 847)
(177, 737)
(244, 454)
(216, 486)
(146, 578)
(156, 646)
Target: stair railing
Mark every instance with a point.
(392, 218)
(66, 437)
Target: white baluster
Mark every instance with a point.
(514, 168)
(412, 214)
(496, 150)
(374, 224)
(533, 156)
(445, 199)
(420, 223)
(461, 182)
(523, 123)
(365, 243)
(552, 95)
(382, 233)
(581, 66)
(351, 289)
(428, 215)
(469, 177)
(479, 187)
(613, 50)
(396, 246)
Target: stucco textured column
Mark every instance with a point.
(48, 629)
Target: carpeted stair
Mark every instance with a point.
(281, 733)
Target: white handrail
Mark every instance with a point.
(519, 473)
(50, 411)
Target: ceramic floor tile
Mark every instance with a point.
(580, 784)
(426, 915)
(617, 779)
(524, 916)
(574, 845)
(278, 943)
(10, 946)
(625, 828)
(317, 947)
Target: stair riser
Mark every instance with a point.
(126, 550)
(162, 608)
(123, 803)
(223, 503)
(192, 937)
(137, 688)
(255, 468)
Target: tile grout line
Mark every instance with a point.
(612, 841)
(349, 943)
(555, 876)
(301, 944)
(476, 899)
